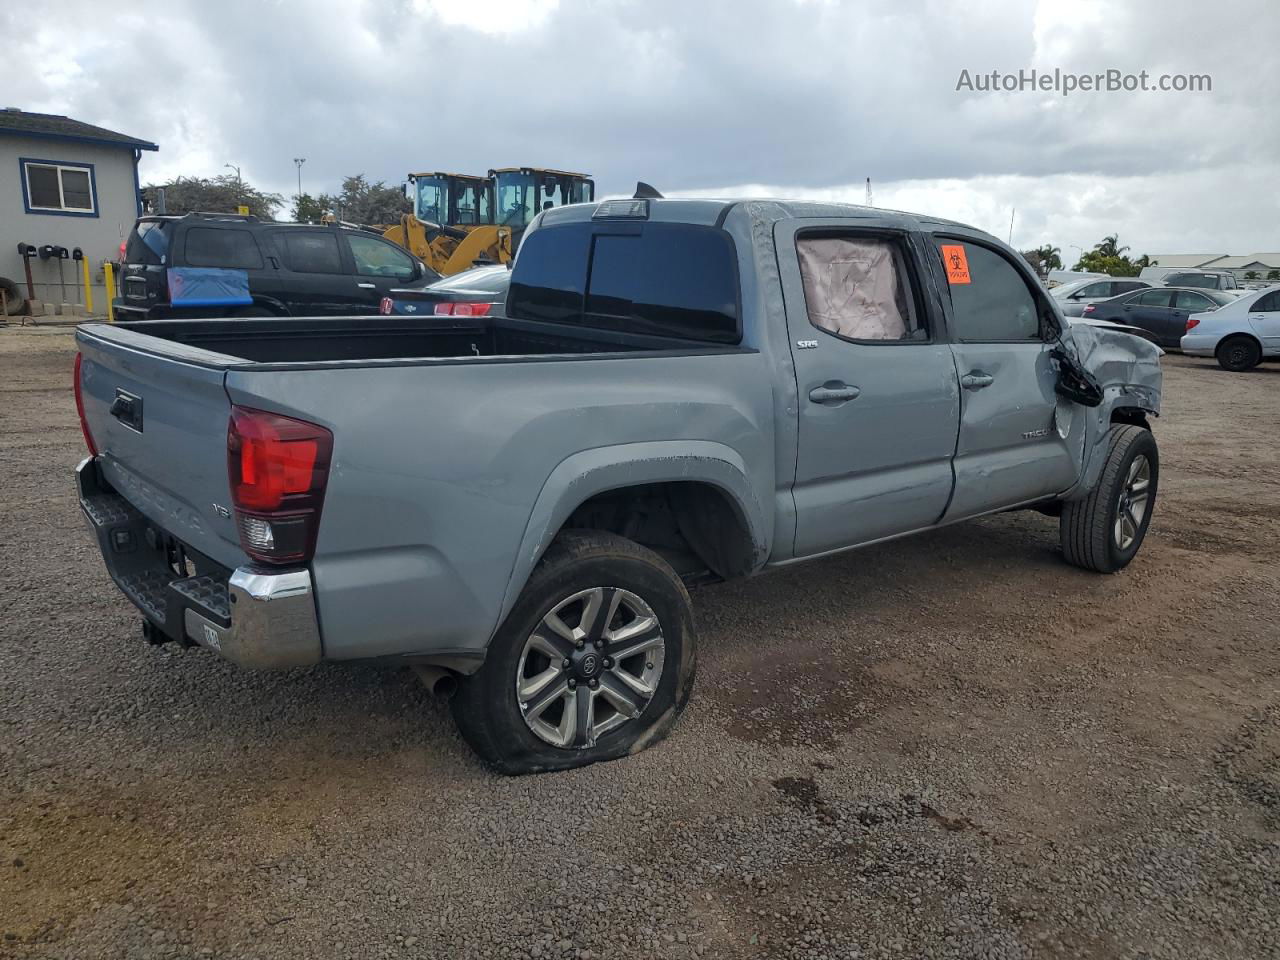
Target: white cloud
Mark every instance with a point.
(807, 96)
(1164, 213)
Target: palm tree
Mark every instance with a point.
(1110, 246)
(1273, 274)
(1050, 256)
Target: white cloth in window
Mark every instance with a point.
(851, 288)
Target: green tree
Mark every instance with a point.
(1110, 246)
(360, 201)
(221, 194)
(1034, 258)
(307, 209)
(1051, 257)
(1251, 274)
(1273, 274)
(1109, 257)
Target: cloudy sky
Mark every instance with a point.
(802, 98)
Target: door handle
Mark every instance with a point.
(976, 380)
(127, 408)
(365, 286)
(834, 391)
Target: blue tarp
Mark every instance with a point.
(208, 287)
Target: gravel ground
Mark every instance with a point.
(952, 746)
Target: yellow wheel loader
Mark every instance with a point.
(451, 226)
(459, 219)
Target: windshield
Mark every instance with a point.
(1066, 289)
(515, 199)
(431, 201)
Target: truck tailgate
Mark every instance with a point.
(160, 425)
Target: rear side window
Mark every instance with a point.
(1154, 298)
(1124, 286)
(1185, 300)
(311, 251)
(149, 242)
(990, 301)
(232, 249)
(1269, 303)
(856, 288)
(670, 279)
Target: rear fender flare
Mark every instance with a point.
(588, 473)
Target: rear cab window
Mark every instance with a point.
(668, 279)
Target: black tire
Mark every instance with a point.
(486, 707)
(1092, 530)
(1238, 353)
(13, 303)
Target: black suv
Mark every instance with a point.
(220, 264)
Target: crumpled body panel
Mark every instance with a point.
(1124, 365)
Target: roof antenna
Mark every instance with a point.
(645, 191)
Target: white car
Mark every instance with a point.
(1240, 334)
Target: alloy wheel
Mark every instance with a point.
(592, 664)
(1131, 508)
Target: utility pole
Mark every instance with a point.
(869, 202)
(1012, 211)
(298, 162)
(239, 183)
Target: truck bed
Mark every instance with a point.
(317, 339)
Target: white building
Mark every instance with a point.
(1259, 263)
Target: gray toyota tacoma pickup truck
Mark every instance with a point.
(680, 391)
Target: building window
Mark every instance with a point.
(66, 188)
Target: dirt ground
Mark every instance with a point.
(954, 745)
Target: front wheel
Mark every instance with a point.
(595, 661)
(1103, 531)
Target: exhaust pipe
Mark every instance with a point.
(440, 682)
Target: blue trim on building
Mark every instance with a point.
(137, 184)
(37, 212)
(138, 145)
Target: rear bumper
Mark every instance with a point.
(256, 617)
(1199, 346)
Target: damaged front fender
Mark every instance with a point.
(1126, 369)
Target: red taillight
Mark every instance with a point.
(384, 306)
(1192, 322)
(84, 424)
(278, 467)
(1089, 308)
(463, 309)
(122, 249)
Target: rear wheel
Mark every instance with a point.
(595, 661)
(1104, 531)
(1239, 353)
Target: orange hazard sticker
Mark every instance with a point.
(957, 264)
